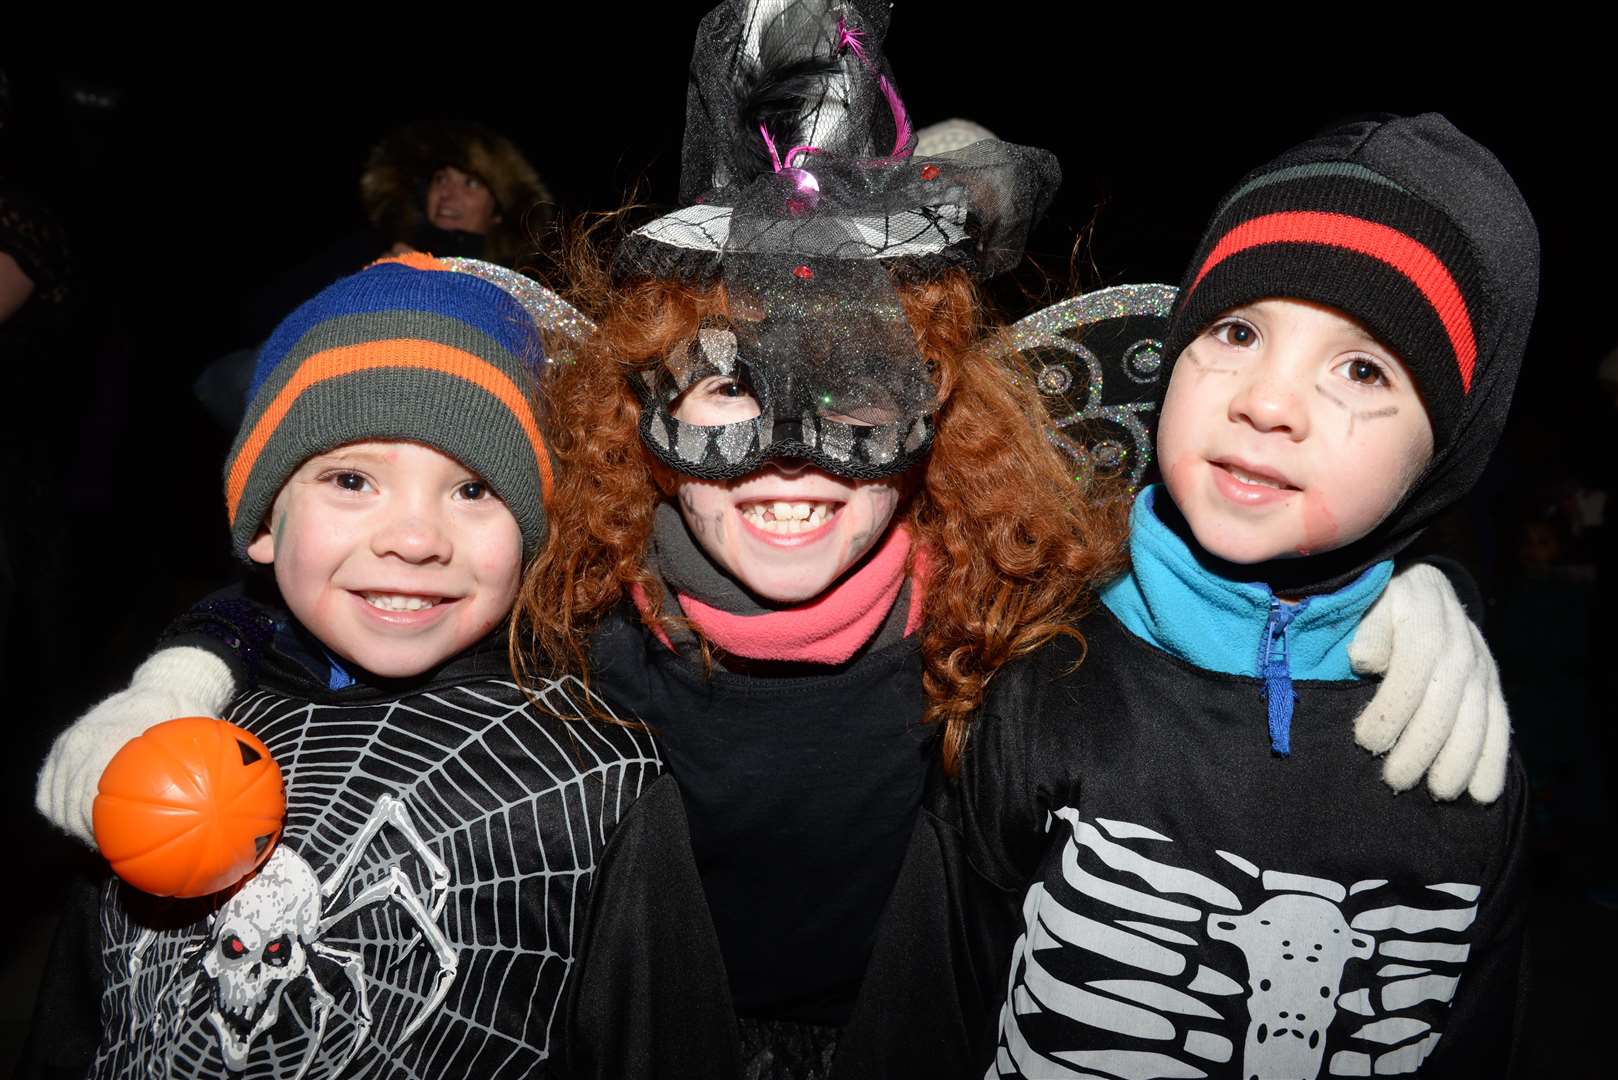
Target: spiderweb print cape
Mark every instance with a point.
(417, 919)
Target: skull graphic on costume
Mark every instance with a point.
(257, 948)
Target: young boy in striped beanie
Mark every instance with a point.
(390, 466)
(1226, 888)
(442, 822)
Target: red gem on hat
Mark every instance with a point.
(803, 273)
(929, 172)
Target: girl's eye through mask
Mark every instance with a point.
(818, 364)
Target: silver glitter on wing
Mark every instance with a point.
(1143, 361)
(552, 314)
(1061, 329)
(1088, 308)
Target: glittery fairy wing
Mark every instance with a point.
(562, 327)
(1098, 362)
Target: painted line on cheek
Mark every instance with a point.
(1377, 414)
(1202, 366)
(1337, 401)
(1329, 396)
(1174, 477)
(1320, 531)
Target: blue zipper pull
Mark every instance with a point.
(1276, 671)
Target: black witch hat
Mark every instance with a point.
(805, 200)
(798, 143)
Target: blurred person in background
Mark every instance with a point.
(443, 187)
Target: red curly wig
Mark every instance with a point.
(1015, 545)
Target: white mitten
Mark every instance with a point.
(176, 682)
(1439, 709)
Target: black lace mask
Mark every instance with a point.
(816, 363)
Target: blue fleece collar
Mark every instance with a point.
(1171, 600)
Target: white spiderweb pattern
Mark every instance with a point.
(518, 806)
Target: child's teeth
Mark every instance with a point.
(395, 602)
(1249, 478)
(787, 518)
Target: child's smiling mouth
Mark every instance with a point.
(402, 602)
(788, 518)
(1253, 475)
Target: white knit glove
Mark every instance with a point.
(176, 682)
(1439, 709)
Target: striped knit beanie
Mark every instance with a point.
(412, 348)
(1419, 234)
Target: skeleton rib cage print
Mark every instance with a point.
(1113, 977)
(420, 914)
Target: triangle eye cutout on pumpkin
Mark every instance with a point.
(261, 842)
(249, 755)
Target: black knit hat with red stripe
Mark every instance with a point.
(1420, 235)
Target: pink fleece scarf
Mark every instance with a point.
(828, 629)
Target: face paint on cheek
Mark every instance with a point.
(704, 525)
(883, 500)
(1337, 401)
(1203, 366)
(1177, 476)
(1320, 528)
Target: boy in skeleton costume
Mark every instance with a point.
(417, 918)
(1221, 886)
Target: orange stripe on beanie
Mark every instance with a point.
(335, 363)
(410, 348)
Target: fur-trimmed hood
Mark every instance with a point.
(393, 187)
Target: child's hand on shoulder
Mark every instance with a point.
(1439, 710)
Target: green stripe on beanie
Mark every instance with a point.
(408, 349)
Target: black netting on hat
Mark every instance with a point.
(817, 362)
(797, 143)
(805, 203)
(769, 76)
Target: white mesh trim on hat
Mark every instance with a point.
(923, 231)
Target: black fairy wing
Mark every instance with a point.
(1097, 360)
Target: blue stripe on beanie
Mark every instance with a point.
(470, 299)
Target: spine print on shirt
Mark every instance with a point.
(1115, 975)
(417, 919)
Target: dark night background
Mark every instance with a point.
(189, 181)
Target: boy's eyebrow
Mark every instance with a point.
(343, 455)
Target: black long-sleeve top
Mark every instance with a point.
(1193, 904)
(422, 909)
